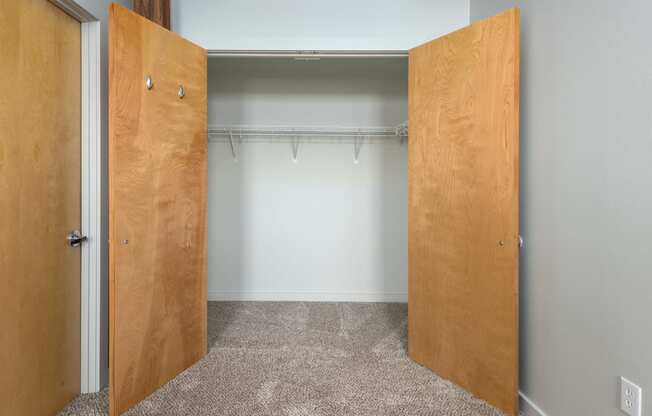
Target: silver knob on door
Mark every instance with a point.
(75, 238)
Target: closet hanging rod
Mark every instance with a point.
(328, 132)
(305, 54)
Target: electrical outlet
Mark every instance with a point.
(630, 397)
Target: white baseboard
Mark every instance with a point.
(528, 407)
(308, 296)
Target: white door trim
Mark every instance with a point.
(305, 54)
(91, 194)
(91, 208)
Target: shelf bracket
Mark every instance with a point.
(233, 147)
(295, 149)
(357, 145)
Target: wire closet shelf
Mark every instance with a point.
(235, 135)
(286, 134)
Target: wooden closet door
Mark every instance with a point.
(463, 208)
(157, 197)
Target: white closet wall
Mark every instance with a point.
(333, 24)
(323, 228)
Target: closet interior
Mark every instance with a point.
(307, 177)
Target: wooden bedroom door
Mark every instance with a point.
(157, 206)
(40, 204)
(463, 205)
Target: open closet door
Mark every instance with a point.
(157, 206)
(463, 208)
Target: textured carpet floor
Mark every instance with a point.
(303, 359)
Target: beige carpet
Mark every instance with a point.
(303, 359)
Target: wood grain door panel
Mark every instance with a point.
(40, 203)
(463, 208)
(157, 214)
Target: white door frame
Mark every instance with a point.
(91, 193)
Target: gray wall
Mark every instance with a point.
(586, 163)
(99, 9)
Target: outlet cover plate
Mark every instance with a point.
(630, 397)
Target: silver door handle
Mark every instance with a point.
(75, 238)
